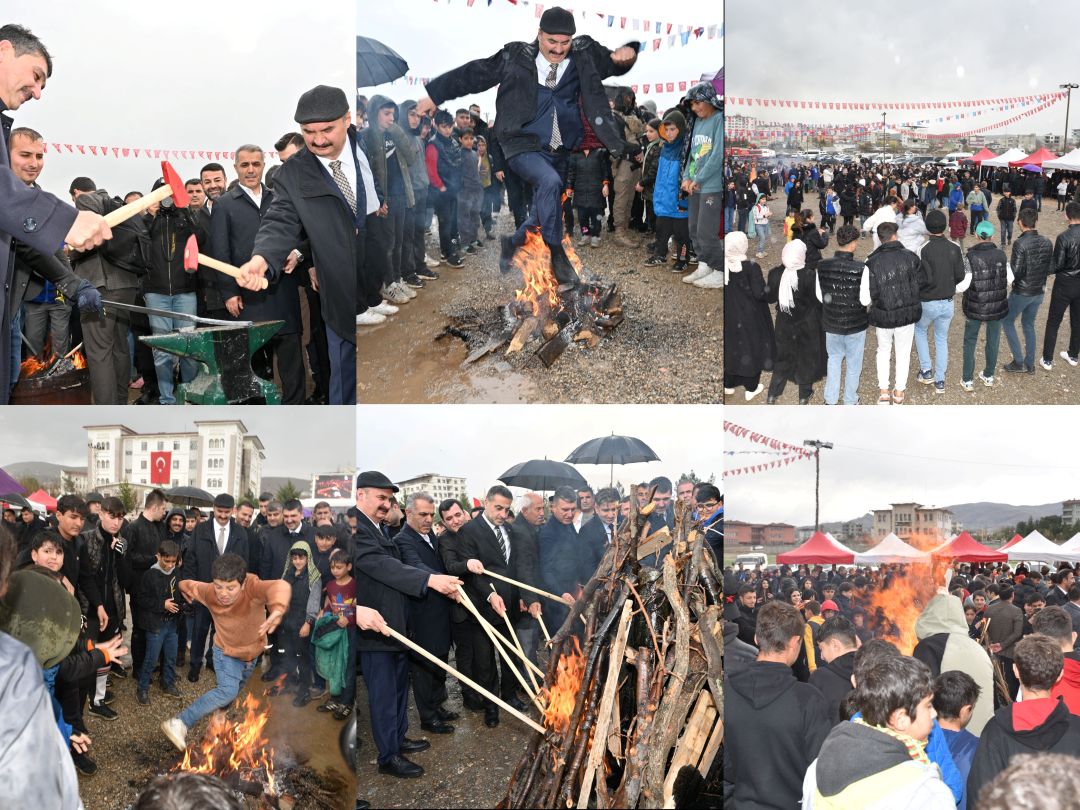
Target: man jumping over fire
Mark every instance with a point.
(550, 91)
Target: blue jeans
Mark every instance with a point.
(164, 363)
(231, 674)
(763, 236)
(1006, 226)
(545, 172)
(729, 220)
(841, 348)
(938, 314)
(163, 639)
(1026, 306)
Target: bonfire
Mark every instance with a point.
(237, 752)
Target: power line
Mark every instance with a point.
(959, 460)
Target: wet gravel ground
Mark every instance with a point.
(469, 768)
(667, 349)
(1059, 386)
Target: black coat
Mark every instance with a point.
(308, 204)
(202, 550)
(429, 615)
(513, 69)
(525, 543)
(749, 345)
(894, 286)
(799, 335)
(148, 606)
(169, 232)
(274, 550)
(815, 243)
(987, 299)
(233, 226)
(941, 268)
(840, 279)
(478, 541)
(593, 540)
(384, 582)
(833, 680)
(143, 539)
(1032, 260)
(586, 175)
(454, 557)
(1067, 252)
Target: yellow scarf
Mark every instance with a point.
(916, 748)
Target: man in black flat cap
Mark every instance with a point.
(385, 583)
(324, 194)
(549, 91)
(210, 540)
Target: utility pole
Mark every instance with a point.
(883, 136)
(1068, 87)
(818, 446)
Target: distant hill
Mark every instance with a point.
(984, 515)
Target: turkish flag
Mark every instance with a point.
(160, 466)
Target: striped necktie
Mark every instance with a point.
(343, 184)
(556, 136)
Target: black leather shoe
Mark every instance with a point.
(506, 253)
(474, 705)
(438, 727)
(412, 746)
(491, 717)
(446, 716)
(400, 767)
(517, 703)
(193, 674)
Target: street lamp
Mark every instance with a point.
(818, 446)
(1068, 87)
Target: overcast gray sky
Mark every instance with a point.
(299, 441)
(200, 75)
(878, 50)
(436, 37)
(935, 456)
(481, 442)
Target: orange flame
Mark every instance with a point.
(893, 611)
(229, 747)
(32, 366)
(79, 359)
(534, 260)
(562, 697)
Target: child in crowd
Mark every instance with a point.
(650, 161)
(472, 193)
(958, 225)
(157, 612)
(306, 584)
(955, 695)
(244, 610)
(588, 177)
(47, 551)
(341, 602)
(672, 217)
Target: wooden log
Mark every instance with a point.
(692, 743)
(522, 334)
(653, 543)
(605, 712)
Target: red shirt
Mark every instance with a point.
(341, 599)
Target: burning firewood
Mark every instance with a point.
(635, 698)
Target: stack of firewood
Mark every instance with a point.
(633, 682)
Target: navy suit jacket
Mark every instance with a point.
(429, 615)
(384, 582)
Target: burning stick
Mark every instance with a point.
(517, 643)
(66, 356)
(499, 647)
(535, 590)
(416, 648)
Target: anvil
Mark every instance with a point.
(224, 356)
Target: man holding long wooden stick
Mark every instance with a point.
(384, 583)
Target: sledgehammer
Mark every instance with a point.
(174, 187)
(192, 260)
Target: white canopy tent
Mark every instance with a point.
(1069, 162)
(1003, 159)
(1037, 548)
(892, 550)
(1072, 544)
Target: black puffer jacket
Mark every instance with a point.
(1067, 252)
(815, 243)
(586, 175)
(894, 286)
(987, 299)
(1006, 209)
(1032, 261)
(840, 278)
(169, 232)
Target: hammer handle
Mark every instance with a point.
(227, 269)
(126, 212)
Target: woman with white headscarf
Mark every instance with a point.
(800, 338)
(748, 332)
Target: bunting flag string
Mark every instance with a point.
(645, 88)
(760, 438)
(94, 150)
(756, 468)
(805, 104)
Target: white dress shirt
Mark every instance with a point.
(349, 160)
(218, 528)
(502, 538)
(255, 198)
(543, 68)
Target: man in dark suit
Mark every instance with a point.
(462, 623)
(596, 535)
(210, 540)
(429, 616)
(561, 556)
(325, 191)
(385, 583)
(234, 222)
(274, 557)
(487, 545)
(524, 542)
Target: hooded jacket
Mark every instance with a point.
(417, 169)
(1068, 688)
(944, 645)
(1059, 733)
(666, 200)
(156, 587)
(306, 587)
(775, 726)
(738, 655)
(833, 680)
(373, 140)
(861, 767)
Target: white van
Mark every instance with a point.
(751, 560)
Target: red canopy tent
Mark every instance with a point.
(818, 550)
(981, 155)
(44, 498)
(965, 548)
(1016, 539)
(1037, 158)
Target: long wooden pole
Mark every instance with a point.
(505, 655)
(547, 635)
(465, 679)
(505, 642)
(517, 643)
(539, 591)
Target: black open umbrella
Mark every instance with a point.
(612, 450)
(377, 64)
(15, 499)
(542, 474)
(189, 496)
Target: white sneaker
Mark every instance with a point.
(1068, 358)
(369, 318)
(751, 394)
(583, 240)
(594, 241)
(176, 731)
(385, 308)
(713, 281)
(403, 288)
(430, 262)
(394, 295)
(703, 270)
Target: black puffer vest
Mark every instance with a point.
(987, 298)
(839, 279)
(894, 286)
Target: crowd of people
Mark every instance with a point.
(822, 706)
(257, 588)
(918, 219)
